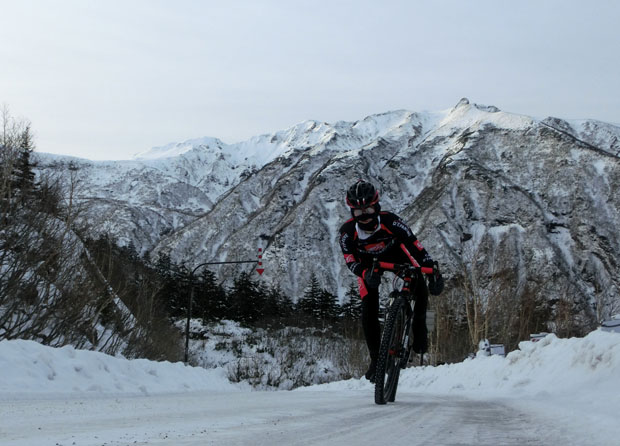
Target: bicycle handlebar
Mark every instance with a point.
(397, 267)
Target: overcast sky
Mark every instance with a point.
(108, 79)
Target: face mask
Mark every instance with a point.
(369, 226)
(370, 213)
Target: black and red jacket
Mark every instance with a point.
(392, 241)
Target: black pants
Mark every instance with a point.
(372, 328)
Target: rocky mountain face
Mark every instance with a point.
(160, 191)
(490, 194)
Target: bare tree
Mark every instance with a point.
(51, 288)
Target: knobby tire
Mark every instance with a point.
(389, 360)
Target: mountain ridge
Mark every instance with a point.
(285, 196)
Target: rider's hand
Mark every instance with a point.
(435, 281)
(372, 278)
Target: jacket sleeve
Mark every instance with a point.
(412, 244)
(348, 250)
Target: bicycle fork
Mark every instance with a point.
(407, 342)
(407, 339)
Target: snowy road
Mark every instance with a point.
(268, 418)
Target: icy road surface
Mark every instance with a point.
(274, 418)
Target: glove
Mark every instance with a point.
(435, 281)
(372, 278)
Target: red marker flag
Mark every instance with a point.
(260, 270)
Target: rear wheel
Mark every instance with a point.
(391, 353)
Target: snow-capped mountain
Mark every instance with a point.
(486, 191)
(160, 191)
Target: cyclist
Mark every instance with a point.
(374, 233)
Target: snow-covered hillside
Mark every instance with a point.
(488, 192)
(168, 187)
(555, 391)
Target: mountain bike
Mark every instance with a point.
(397, 339)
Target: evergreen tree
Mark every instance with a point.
(247, 299)
(272, 308)
(130, 251)
(48, 195)
(180, 291)
(327, 307)
(309, 303)
(172, 286)
(278, 306)
(164, 265)
(352, 307)
(23, 176)
(211, 297)
(285, 304)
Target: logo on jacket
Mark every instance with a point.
(400, 224)
(375, 247)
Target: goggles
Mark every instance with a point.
(368, 211)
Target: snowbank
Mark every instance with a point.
(574, 379)
(30, 368)
(577, 375)
(549, 366)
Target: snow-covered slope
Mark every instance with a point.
(482, 188)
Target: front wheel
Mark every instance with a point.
(391, 352)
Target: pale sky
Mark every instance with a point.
(107, 79)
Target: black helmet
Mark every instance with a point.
(362, 194)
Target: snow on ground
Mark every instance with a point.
(576, 380)
(30, 369)
(572, 382)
